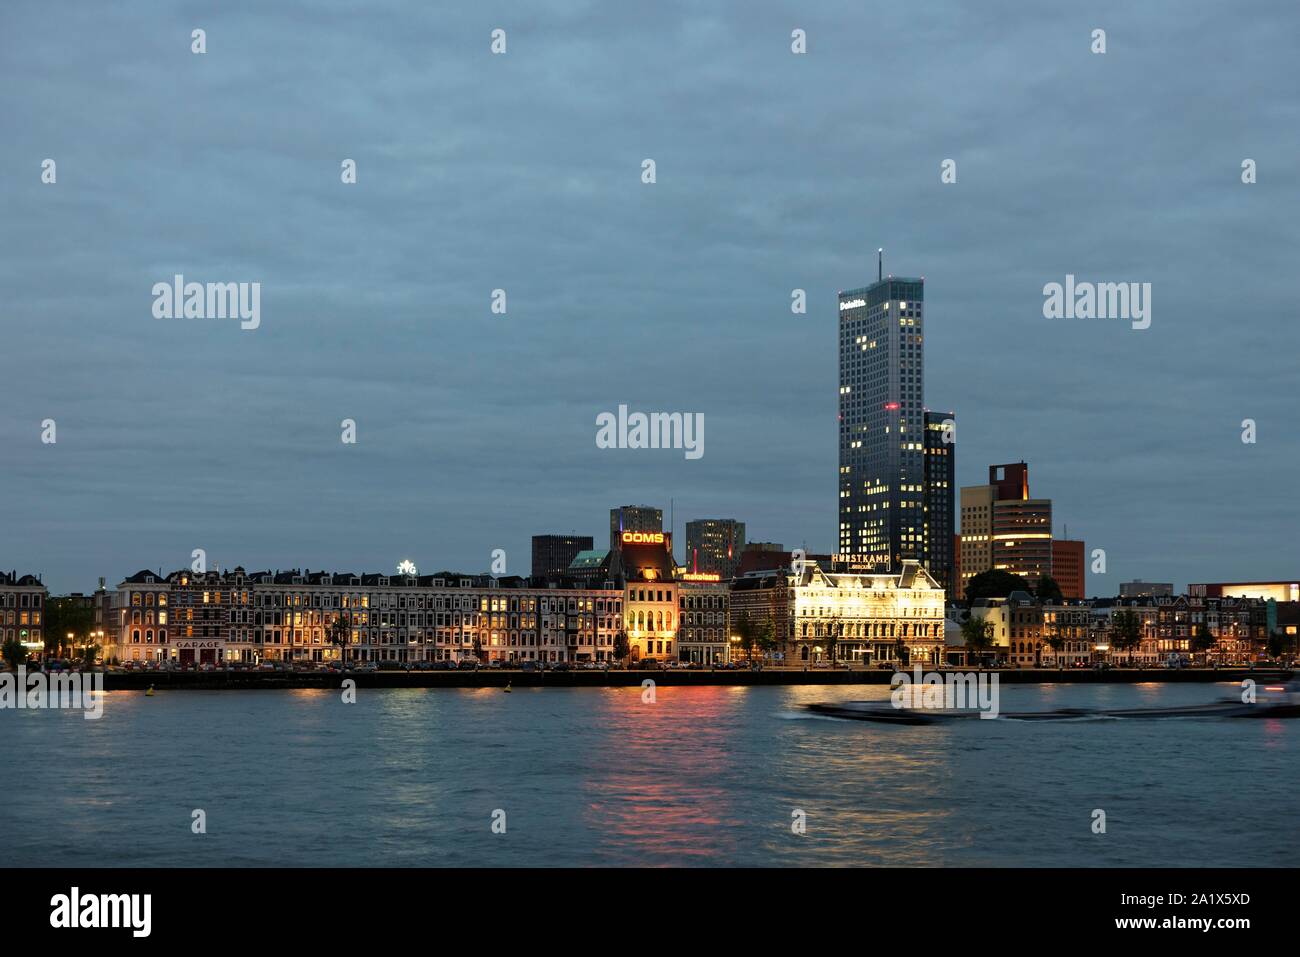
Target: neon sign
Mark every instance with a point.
(701, 577)
(649, 538)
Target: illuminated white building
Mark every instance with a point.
(869, 615)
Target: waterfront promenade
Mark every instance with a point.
(668, 677)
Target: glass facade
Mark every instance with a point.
(882, 422)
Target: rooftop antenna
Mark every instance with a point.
(880, 264)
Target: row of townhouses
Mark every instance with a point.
(1029, 633)
(627, 603)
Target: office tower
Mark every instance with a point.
(882, 423)
(633, 518)
(553, 553)
(1141, 589)
(1003, 528)
(1069, 567)
(937, 553)
(714, 546)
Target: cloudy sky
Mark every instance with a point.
(522, 172)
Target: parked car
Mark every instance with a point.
(467, 665)
(444, 665)
(648, 664)
(530, 666)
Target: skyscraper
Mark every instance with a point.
(937, 554)
(714, 545)
(1003, 528)
(633, 518)
(882, 422)
(553, 553)
(1069, 567)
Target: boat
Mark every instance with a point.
(1274, 701)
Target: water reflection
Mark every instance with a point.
(707, 776)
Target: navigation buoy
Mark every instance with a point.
(507, 689)
(149, 693)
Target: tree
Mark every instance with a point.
(764, 639)
(834, 629)
(89, 652)
(1048, 591)
(1280, 645)
(977, 633)
(1202, 640)
(747, 632)
(14, 653)
(994, 583)
(477, 648)
(64, 616)
(1125, 631)
(1056, 639)
(900, 652)
(621, 646)
(340, 634)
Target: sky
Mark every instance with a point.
(522, 171)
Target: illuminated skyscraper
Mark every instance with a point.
(713, 546)
(882, 422)
(1003, 528)
(939, 499)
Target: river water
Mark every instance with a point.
(701, 776)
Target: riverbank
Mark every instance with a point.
(498, 678)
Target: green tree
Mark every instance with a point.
(747, 632)
(622, 648)
(1055, 636)
(1048, 591)
(340, 634)
(765, 639)
(1280, 645)
(1125, 632)
(994, 583)
(1202, 641)
(64, 616)
(834, 630)
(901, 654)
(14, 652)
(978, 634)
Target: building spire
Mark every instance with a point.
(880, 264)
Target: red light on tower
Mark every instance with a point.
(891, 406)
